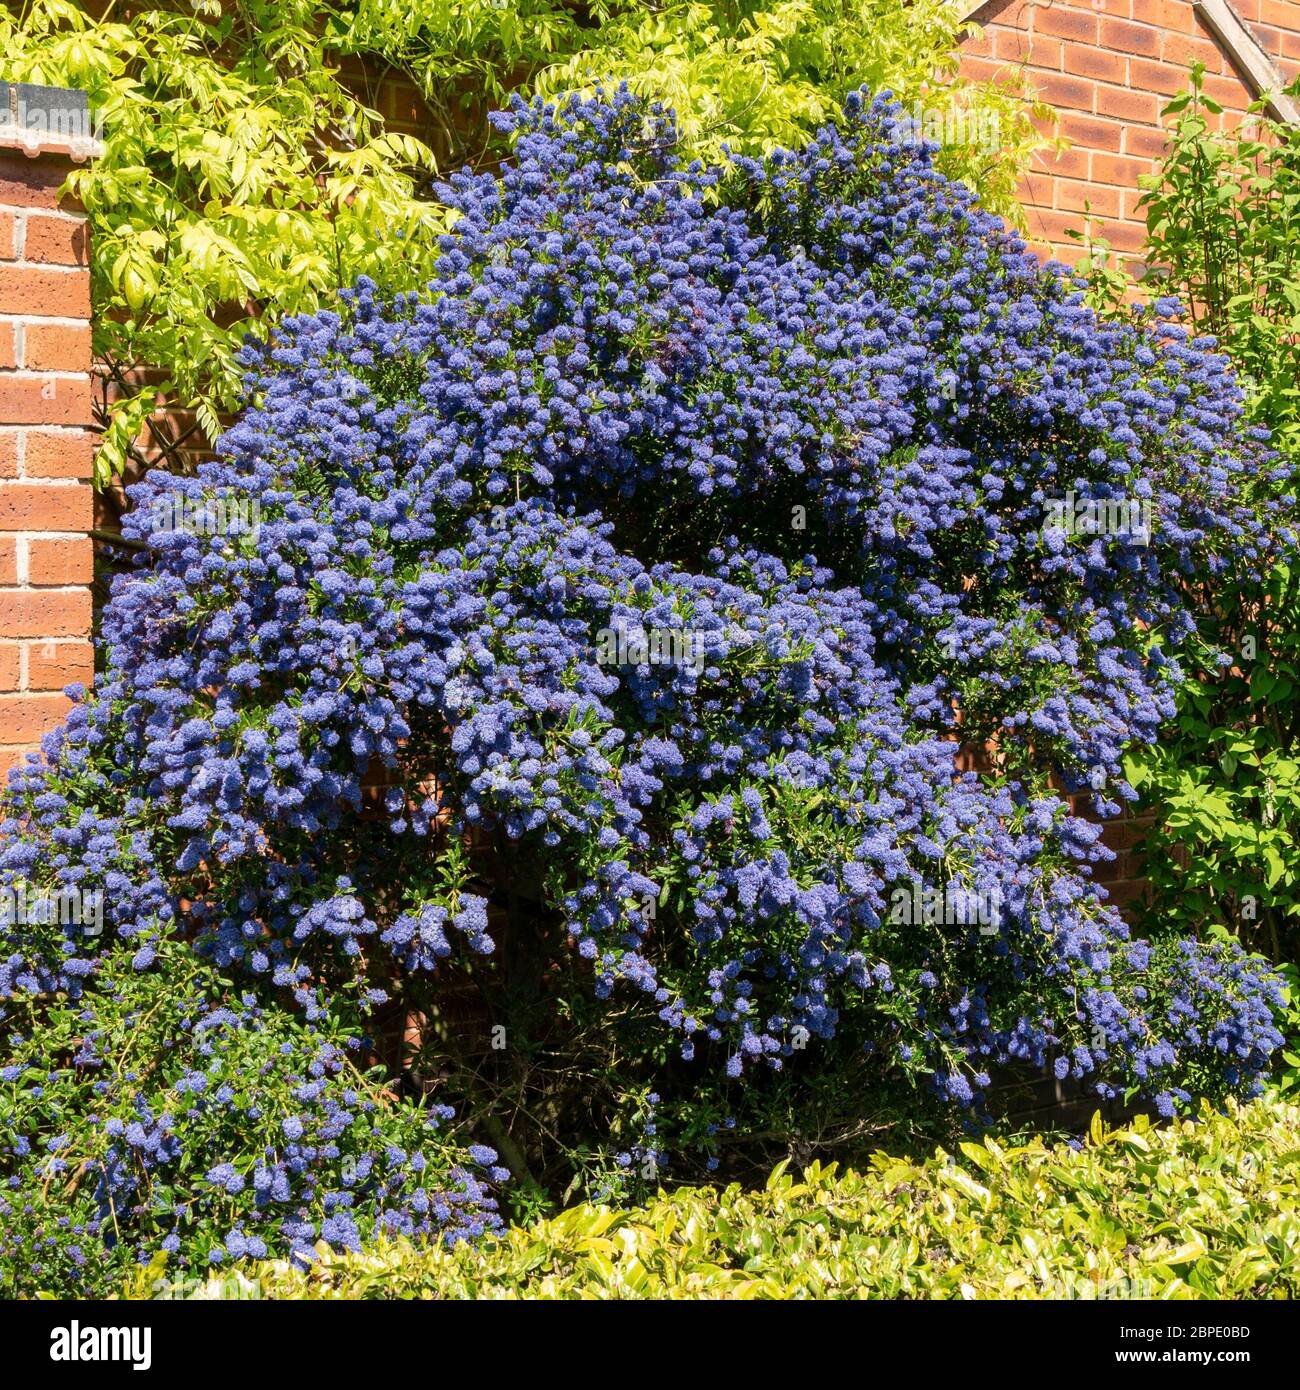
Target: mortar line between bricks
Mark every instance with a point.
(32, 374)
(43, 320)
(53, 482)
(45, 427)
(54, 267)
(25, 210)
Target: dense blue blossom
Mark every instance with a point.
(666, 551)
(348, 1162)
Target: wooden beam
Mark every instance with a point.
(1245, 51)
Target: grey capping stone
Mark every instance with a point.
(33, 115)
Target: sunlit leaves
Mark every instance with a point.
(1204, 1209)
(239, 180)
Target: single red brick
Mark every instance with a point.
(8, 349)
(1135, 40)
(1229, 92)
(1010, 45)
(1071, 164)
(8, 454)
(1067, 24)
(58, 454)
(8, 559)
(63, 560)
(28, 506)
(981, 69)
(52, 665)
(56, 240)
(1048, 53)
(44, 613)
(1097, 63)
(1093, 198)
(1119, 169)
(44, 400)
(1170, 14)
(1140, 108)
(1072, 93)
(10, 665)
(24, 718)
(1037, 190)
(1092, 134)
(1145, 143)
(45, 293)
(28, 182)
(6, 236)
(1127, 237)
(1146, 76)
(56, 347)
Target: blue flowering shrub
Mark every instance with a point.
(195, 1124)
(566, 715)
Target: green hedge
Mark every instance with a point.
(1200, 1209)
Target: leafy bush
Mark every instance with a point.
(750, 76)
(486, 685)
(238, 176)
(1225, 780)
(1198, 1210)
(163, 1110)
(1222, 221)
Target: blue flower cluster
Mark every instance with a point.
(531, 601)
(196, 1124)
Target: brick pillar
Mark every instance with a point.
(46, 444)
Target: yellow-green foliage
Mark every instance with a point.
(748, 75)
(1201, 1209)
(239, 179)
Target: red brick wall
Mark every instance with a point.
(45, 449)
(1108, 67)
